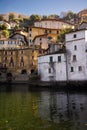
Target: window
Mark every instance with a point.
(30, 29)
(72, 69)
(11, 64)
(57, 32)
(59, 58)
(49, 31)
(30, 35)
(75, 47)
(51, 59)
(30, 40)
(5, 52)
(74, 57)
(74, 36)
(11, 53)
(22, 62)
(80, 68)
(40, 39)
(49, 70)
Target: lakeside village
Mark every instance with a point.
(38, 54)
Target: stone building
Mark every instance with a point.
(49, 28)
(17, 56)
(66, 64)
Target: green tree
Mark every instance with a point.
(4, 26)
(70, 15)
(61, 35)
(44, 17)
(33, 18)
(11, 17)
(5, 33)
(53, 16)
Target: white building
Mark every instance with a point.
(52, 24)
(52, 67)
(70, 65)
(41, 40)
(76, 46)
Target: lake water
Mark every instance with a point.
(23, 109)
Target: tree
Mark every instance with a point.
(5, 33)
(11, 17)
(4, 26)
(61, 35)
(70, 15)
(44, 17)
(33, 18)
(53, 16)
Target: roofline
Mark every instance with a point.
(83, 29)
(39, 36)
(60, 20)
(43, 28)
(21, 35)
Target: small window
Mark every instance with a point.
(11, 53)
(59, 58)
(40, 39)
(51, 59)
(30, 29)
(74, 36)
(80, 68)
(75, 47)
(72, 69)
(57, 32)
(30, 35)
(74, 57)
(49, 31)
(30, 40)
(49, 70)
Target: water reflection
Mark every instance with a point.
(48, 110)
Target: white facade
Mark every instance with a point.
(52, 67)
(76, 46)
(10, 44)
(73, 63)
(41, 41)
(52, 24)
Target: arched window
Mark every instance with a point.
(74, 57)
(75, 47)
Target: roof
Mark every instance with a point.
(60, 20)
(44, 35)
(43, 28)
(77, 30)
(21, 35)
(60, 51)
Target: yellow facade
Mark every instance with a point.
(19, 59)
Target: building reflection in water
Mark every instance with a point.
(44, 108)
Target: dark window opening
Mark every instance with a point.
(74, 57)
(75, 47)
(72, 69)
(51, 59)
(59, 58)
(80, 68)
(74, 36)
(49, 70)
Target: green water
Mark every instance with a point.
(21, 109)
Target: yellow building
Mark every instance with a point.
(49, 27)
(17, 56)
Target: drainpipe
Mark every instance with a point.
(66, 68)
